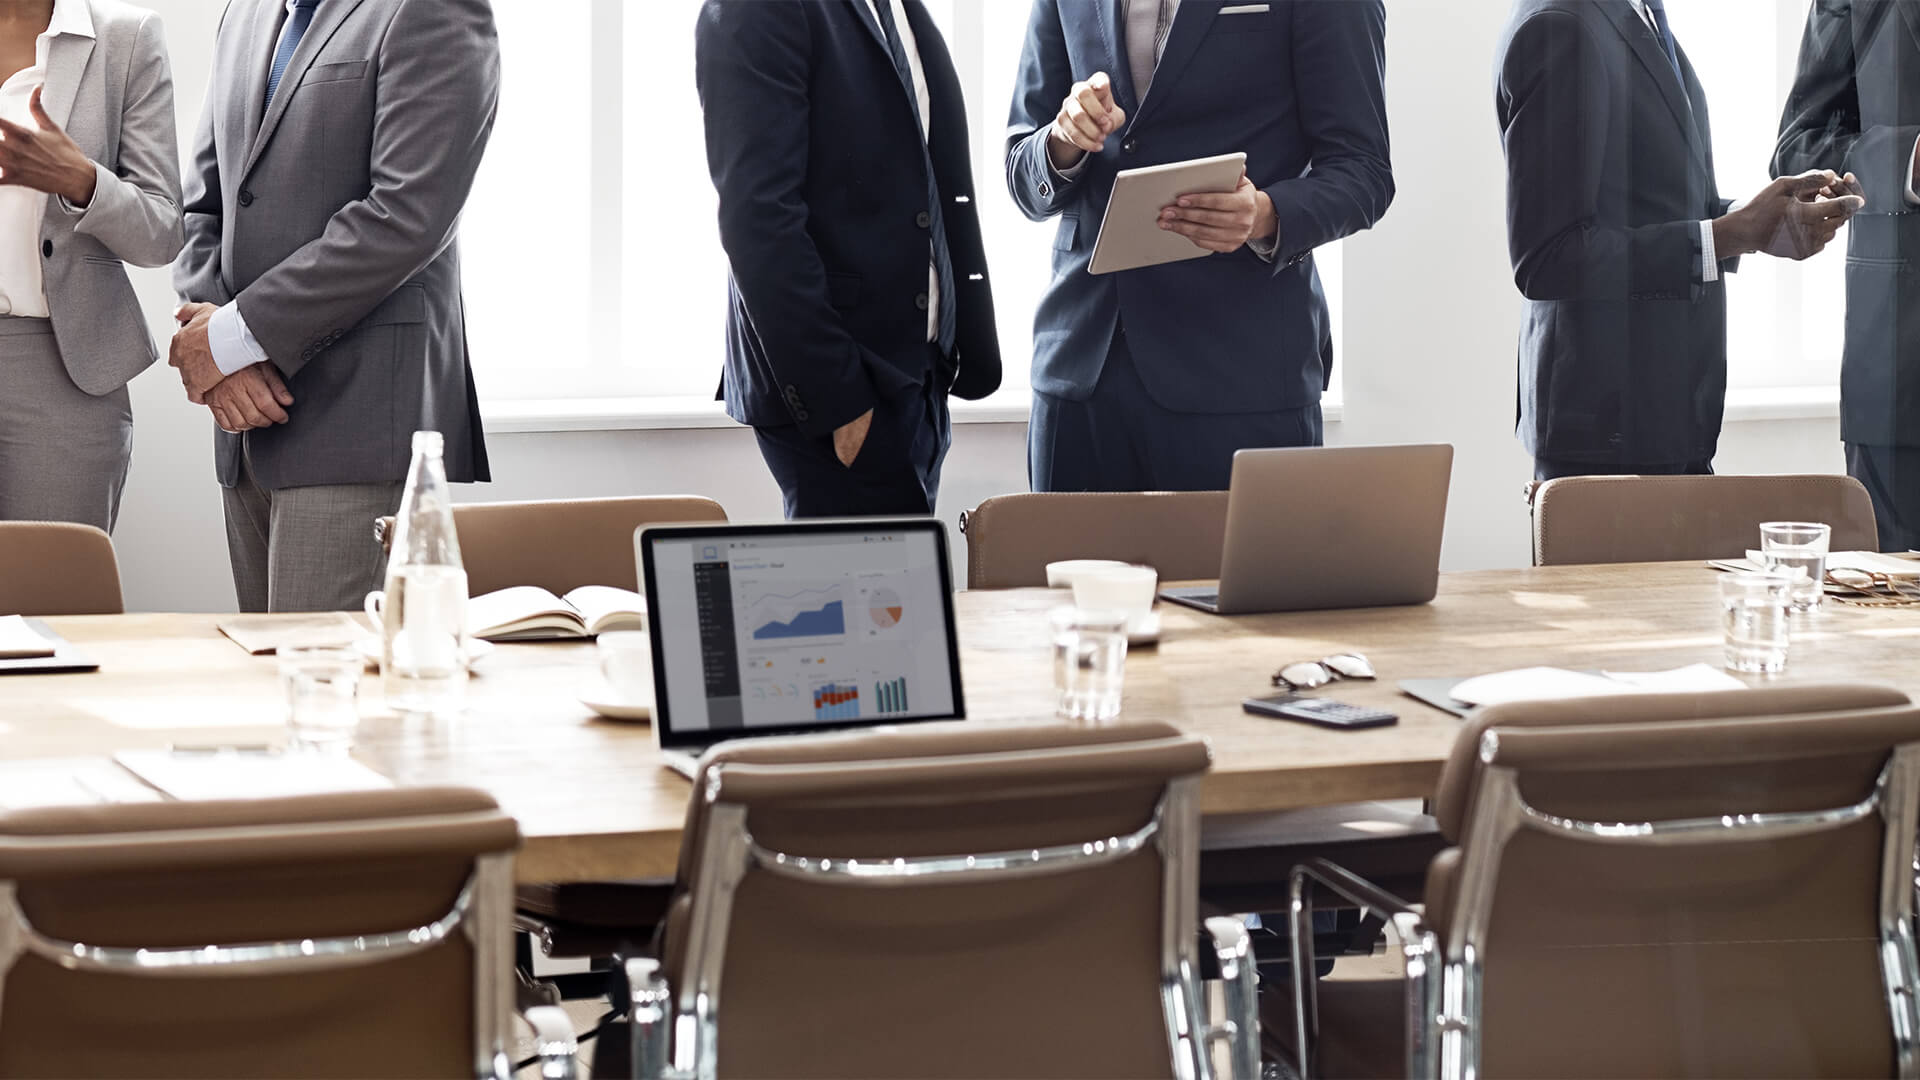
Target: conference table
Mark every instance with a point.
(595, 802)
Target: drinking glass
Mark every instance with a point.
(1798, 545)
(1753, 616)
(323, 688)
(1089, 663)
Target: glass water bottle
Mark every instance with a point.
(425, 619)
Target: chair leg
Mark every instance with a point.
(1233, 950)
(554, 1042)
(649, 1015)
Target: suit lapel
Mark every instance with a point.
(865, 15)
(1111, 18)
(1648, 51)
(326, 19)
(1911, 13)
(261, 34)
(1190, 25)
(66, 61)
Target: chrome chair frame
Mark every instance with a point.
(1444, 992)
(482, 912)
(675, 1035)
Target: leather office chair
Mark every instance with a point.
(57, 568)
(560, 544)
(1012, 538)
(1652, 886)
(362, 934)
(1611, 519)
(952, 900)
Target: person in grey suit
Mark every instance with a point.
(89, 181)
(323, 321)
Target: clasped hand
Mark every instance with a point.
(253, 397)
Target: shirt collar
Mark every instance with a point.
(70, 17)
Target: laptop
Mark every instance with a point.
(1317, 528)
(796, 628)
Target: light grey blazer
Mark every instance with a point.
(113, 93)
(330, 219)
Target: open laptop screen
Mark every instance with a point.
(760, 630)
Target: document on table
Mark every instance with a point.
(1556, 684)
(44, 782)
(227, 773)
(1871, 561)
(261, 634)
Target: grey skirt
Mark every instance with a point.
(63, 452)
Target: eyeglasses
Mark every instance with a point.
(1311, 674)
(1868, 588)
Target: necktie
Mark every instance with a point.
(1658, 9)
(1147, 25)
(298, 20)
(936, 225)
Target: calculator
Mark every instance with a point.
(1313, 710)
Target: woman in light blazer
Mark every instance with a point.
(89, 182)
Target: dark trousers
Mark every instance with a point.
(1545, 469)
(1891, 475)
(896, 474)
(1120, 439)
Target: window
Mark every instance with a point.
(593, 264)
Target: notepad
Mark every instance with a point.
(20, 641)
(1556, 684)
(44, 782)
(530, 613)
(197, 775)
(262, 634)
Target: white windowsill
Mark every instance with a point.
(529, 415)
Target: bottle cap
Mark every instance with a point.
(428, 442)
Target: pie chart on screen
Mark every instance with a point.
(885, 608)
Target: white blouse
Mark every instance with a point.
(22, 293)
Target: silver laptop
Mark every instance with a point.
(1330, 527)
(795, 628)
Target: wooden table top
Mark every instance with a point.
(595, 801)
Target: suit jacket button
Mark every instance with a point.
(1046, 190)
(1130, 146)
(246, 197)
(923, 219)
(800, 415)
(46, 249)
(922, 301)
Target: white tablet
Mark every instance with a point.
(1130, 234)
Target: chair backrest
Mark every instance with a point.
(57, 568)
(1012, 538)
(956, 900)
(563, 544)
(340, 935)
(1612, 519)
(1686, 884)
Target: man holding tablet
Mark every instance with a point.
(1151, 378)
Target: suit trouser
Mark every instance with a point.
(897, 471)
(63, 452)
(1545, 469)
(305, 548)
(1891, 475)
(1121, 439)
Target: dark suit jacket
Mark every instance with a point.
(1299, 88)
(814, 147)
(1855, 107)
(1623, 349)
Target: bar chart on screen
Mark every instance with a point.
(836, 701)
(890, 697)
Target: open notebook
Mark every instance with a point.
(530, 613)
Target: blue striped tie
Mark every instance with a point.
(1658, 9)
(296, 28)
(936, 225)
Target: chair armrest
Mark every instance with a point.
(649, 1018)
(1420, 945)
(554, 1042)
(1233, 948)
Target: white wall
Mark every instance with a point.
(1428, 350)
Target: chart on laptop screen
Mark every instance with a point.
(779, 631)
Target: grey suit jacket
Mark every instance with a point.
(113, 93)
(330, 218)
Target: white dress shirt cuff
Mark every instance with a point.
(233, 344)
(1709, 259)
(1913, 197)
(1265, 249)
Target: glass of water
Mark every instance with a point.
(1798, 545)
(1089, 663)
(1753, 615)
(323, 688)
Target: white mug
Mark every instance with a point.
(375, 606)
(1125, 589)
(626, 662)
(1061, 575)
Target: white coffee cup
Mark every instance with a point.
(1126, 589)
(626, 662)
(1061, 575)
(376, 606)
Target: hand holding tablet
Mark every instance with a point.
(1131, 235)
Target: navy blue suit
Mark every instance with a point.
(814, 144)
(1153, 377)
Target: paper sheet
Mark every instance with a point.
(1557, 684)
(248, 774)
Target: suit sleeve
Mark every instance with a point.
(752, 64)
(438, 85)
(197, 276)
(135, 210)
(1045, 76)
(1554, 81)
(1820, 128)
(1340, 70)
